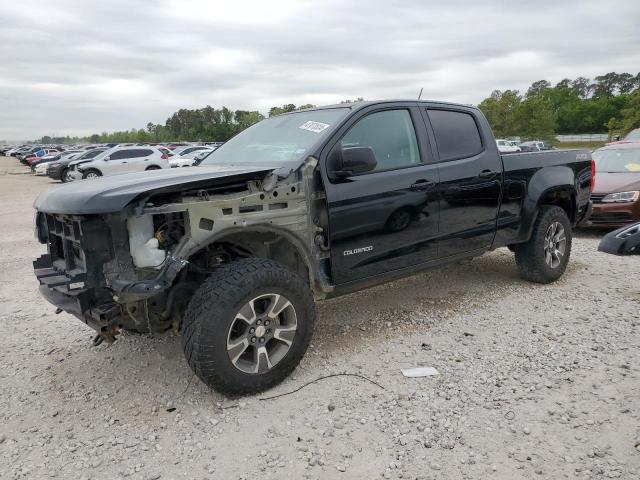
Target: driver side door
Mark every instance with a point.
(385, 219)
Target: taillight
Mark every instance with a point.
(593, 175)
(164, 156)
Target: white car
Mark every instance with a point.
(42, 168)
(122, 160)
(507, 146)
(188, 159)
(181, 151)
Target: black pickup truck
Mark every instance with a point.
(297, 208)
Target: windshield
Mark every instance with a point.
(617, 160)
(193, 154)
(89, 154)
(277, 140)
(633, 135)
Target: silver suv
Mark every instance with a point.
(122, 160)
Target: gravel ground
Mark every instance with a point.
(535, 381)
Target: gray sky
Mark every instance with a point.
(82, 66)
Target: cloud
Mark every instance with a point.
(77, 67)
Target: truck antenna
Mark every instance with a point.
(420, 94)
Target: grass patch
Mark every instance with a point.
(587, 145)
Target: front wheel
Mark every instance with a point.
(248, 326)
(544, 258)
(91, 174)
(65, 175)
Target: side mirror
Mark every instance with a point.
(349, 161)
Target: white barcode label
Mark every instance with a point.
(315, 127)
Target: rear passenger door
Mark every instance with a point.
(123, 161)
(470, 172)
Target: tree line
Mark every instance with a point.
(610, 103)
(206, 124)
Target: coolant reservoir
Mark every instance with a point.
(142, 243)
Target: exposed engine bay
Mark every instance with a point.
(137, 269)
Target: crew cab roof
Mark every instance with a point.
(355, 106)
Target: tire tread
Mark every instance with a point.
(529, 255)
(221, 292)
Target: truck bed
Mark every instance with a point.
(546, 158)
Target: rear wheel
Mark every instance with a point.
(398, 220)
(153, 167)
(544, 258)
(248, 326)
(91, 174)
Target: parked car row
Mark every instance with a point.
(513, 146)
(67, 163)
(616, 192)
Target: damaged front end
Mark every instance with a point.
(92, 271)
(138, 268)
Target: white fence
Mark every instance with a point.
(583, 137)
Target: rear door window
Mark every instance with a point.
(120, 154)
(457, 134)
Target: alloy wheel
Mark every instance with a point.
(555, 244)
(261, 333)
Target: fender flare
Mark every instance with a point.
(317, 282)
(545, 181)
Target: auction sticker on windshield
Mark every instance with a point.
(315, 127)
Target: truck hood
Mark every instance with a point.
(616, 182)
(112, 194)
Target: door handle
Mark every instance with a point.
(487, 174)
(423, 185)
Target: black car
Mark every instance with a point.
(59, 170)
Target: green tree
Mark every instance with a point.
(538, 88)
(245, 118)
(583, 87)
(626, 83)
(501, 109)
(359, 99)
(536, 119)
(283, 109)
(630, 113)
